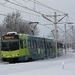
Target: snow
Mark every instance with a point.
(50, 66)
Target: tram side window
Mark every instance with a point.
(34, 43)
(29, 43)
(41, 44)
(21, 43)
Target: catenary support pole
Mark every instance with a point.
(55, 23)
(73, 38)
(65, 40)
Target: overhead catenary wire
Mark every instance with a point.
(18, 10)
(52, 25)
(34, 5)
(46, 6)
(63, 30)
(44, 26)
(15, 9)
(22, 11)
(73, 22)
(25, 7)
(22, 6)
(18, 2)
(28, 8)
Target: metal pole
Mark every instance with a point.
(55, 23)
(73, 38)
(65, 38)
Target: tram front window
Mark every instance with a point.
(14, 45)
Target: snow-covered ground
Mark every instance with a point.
(42, 67)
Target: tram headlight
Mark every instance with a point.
(3, 55)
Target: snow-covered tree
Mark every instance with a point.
(14, 22)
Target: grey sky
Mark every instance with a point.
(66, 6)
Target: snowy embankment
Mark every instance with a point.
(42, 67)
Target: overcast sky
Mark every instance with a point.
(66, 6)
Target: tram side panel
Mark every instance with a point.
(34, 50)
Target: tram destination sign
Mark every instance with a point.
(9, 37)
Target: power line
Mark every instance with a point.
(22, 4)
(25, 7)
(44, 26)
(22, 7)
(46, 6)
(18, 2)
(19, 10)
(32, 10)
